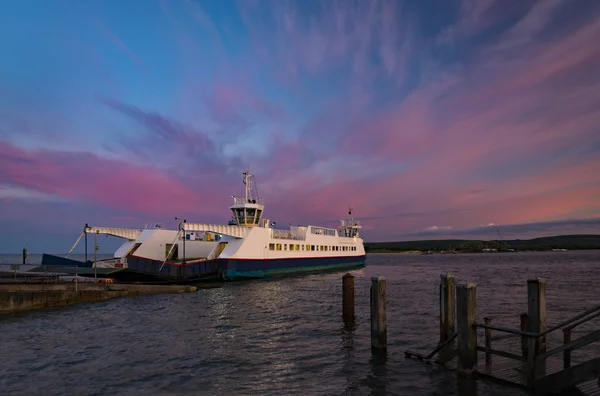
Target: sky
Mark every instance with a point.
(432, 119)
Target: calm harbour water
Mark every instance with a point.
(282, 336)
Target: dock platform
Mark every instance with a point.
(520, 357)
(512, 373)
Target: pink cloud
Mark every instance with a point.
(105, 182)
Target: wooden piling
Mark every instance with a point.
(524, 327)
(467, 332)
(488, 342)
(378, 314)
(348, 297)
(567, 353)
(536, 311)
(447, 306)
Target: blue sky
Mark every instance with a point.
(430, 118)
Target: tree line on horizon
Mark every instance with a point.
(568, 242)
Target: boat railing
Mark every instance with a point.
(285, 234)
(242, 200)
(152, 226)
(348, 223)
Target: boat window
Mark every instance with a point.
(250, 212)
(271, 246)
(285, 246)
(279, 246)
(312, 247)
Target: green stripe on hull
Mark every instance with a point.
(253, 274)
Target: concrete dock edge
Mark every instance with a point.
(22, 298)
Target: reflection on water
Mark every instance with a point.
(281, 336)
(378, 373)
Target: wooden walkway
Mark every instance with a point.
(521, 357)
(513, 373)
(590, 388)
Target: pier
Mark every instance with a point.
(518, 356)
(29, 297)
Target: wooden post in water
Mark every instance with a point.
(536, 313)
(567, 353)
(378, 314)
(488, 342)
(467, 332)
(447, 306)
(536, 310)
(524, 327)
(348, 297)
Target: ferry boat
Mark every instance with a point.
(249, 246)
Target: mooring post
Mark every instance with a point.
(447, 306)
(378, 314)
(567, 353)
(536, 313)
(524, 327)
(348, 297)
(488, 342)
(467, 332)
(95, 255)
(86, 242)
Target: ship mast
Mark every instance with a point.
(350, 227)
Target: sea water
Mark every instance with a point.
(284, 336)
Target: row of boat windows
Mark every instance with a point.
(314, 248)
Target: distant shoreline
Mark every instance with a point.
(455, 246)
(419, 253)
